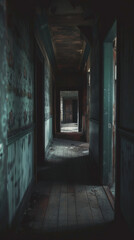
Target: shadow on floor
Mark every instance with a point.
(78, 170)
(98, 232)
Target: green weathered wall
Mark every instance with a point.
(19, 76)
(16, 111)
(3, 119)
(19, 171)
(20, 95)
(107, 106)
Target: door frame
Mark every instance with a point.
(107, 107)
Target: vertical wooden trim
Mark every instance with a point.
(107, 112)
(57, 110)
(117, 169)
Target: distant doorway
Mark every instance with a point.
(69, 111)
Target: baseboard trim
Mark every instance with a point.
(109, 196)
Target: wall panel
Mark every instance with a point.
(3, 118)
(20, 171)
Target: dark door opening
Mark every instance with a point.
(39, 108)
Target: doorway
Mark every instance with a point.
(109, 108)
(69, 111)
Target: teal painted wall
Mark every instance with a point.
(20, 95)
(108, 113)
(16, 111)
(19, 76)
(19, 171)
(3, 119)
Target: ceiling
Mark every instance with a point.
(64, 21)
(70, 24)
(68, 47)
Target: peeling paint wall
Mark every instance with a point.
(20, 171)
(19, 76)
(3, 119)
(20, 111)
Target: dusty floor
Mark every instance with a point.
(65, 203)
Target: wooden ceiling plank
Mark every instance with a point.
(70, 20)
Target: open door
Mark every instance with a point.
(109, 108)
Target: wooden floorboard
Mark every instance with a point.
(95, 208)
(62, 221)
(71, 210)
(65, 198)
(104, 204)
(83, 211)
(52, 213)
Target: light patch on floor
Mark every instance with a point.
(69, 127)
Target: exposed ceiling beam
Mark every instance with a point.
(70, 20)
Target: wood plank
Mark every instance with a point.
(62, 221)
(52, 213)
(70, 20)
(64, 188)
(93, 202)
(83, 211)
(71, 188)
(38, 213)
(71, 211)
(104, 204)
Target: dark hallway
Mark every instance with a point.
(66, 119)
